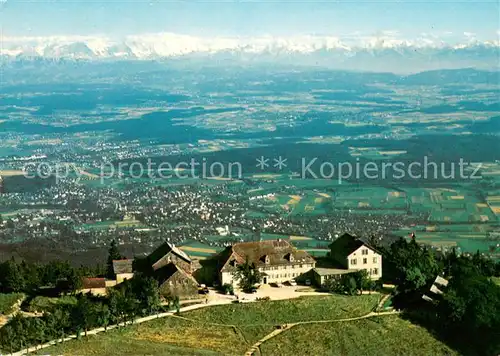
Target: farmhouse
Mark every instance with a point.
(174, 281)
(169, 253)
(354, 253)
(94, 286)
(277, 260)
(123, 270)
(321, 275)
(173, 269)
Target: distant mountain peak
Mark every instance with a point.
(303, 48)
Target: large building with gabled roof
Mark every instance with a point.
(123, 270)
(277, 260)
(173, 269)
(355, 253)
(169, 253)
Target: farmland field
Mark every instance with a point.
(239, 326)
(461, 215)
(285, 311)
(377, 336)
(199, 249)
(158, 337)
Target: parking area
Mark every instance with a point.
(275, 293)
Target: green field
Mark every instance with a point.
(106, 225)
(306, 203)
(46, 304)
(460, 215)
(7, 301)
(388, 335)
(464, 237)
(286, 311)
(232, 329)
(166, 336)
(199, 249)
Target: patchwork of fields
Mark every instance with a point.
(461, 215)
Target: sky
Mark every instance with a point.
(256, 18)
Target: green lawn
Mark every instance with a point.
(184, 337)
(166, 336)
(7, 301)
(386, 335)
(42, 304)
(287, 311)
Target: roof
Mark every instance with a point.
(332, 271)
(164, 273)
(164, 249)
(122, 266)
(441, 281)
(277, 252)
(90, 283)
(347, 244)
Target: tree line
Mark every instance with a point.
(29, 278)
(466, 315)
(131, 299)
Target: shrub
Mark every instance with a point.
(7, 302)
(228, 288)
(46, 304)
(263, 299)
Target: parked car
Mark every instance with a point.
(202, 289)
(308, 282)
(292, 283)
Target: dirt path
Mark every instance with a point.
(219, 301)
(380, 305)
(16, 308)
(256, 347)
(111, 327)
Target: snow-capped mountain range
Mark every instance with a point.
(385, 50)
(164, 45)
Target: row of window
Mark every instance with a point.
(354, 261)
(285, 275)
(276, 268)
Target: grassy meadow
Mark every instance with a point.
(388, 335)
(232, 329)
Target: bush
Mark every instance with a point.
(350, 283)
(228, 289)
(46, 304)
(7, 302)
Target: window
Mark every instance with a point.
(354, 261)
(374, 259)
(364, 251)
(375, 271)
(365, 261)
